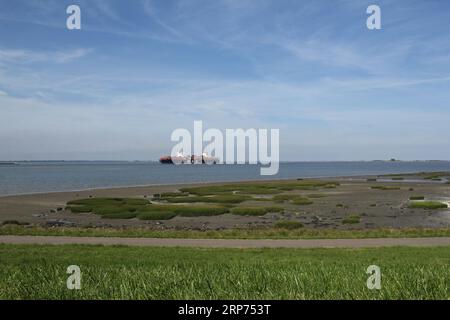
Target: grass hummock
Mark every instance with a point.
(173, 194)
(302, 201)
(272, 187)
(293, 198)
(288, 224)
(428, 205)
(223, 198)
(316, 195)
(255, 211)
(385, 187)
(353, 219)
(417, 198)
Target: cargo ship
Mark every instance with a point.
(185, 159)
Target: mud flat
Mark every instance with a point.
(365, 202)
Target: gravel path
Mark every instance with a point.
(229, 243)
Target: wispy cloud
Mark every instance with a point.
(151, 12)
(30, 56)
(67, 56)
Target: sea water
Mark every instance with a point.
(33, 177)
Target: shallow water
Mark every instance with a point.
(31, 177)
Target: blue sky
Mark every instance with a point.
(139, 69)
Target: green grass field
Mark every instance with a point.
(39, 272)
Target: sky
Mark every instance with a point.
(139, 69)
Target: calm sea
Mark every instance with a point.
(31, 177)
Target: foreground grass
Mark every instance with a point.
(280, 232)
(39, 272)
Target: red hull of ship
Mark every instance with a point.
(167, 160)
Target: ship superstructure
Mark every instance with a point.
(180, 158)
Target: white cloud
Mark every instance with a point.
(328, 54)
(67, 56)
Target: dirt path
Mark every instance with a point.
(229, 243)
